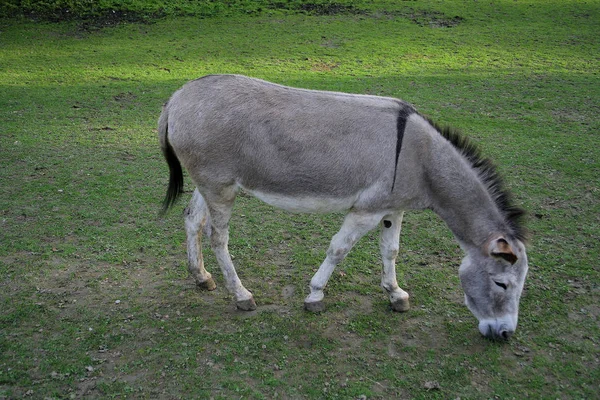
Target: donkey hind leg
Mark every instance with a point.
(197, 221)
(220, 213)
(389, 244)
(354, 227)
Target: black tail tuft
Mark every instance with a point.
(175, 177)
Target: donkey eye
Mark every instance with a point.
(500, 284)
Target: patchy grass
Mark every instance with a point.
(96, 301)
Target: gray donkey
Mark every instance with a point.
(315, 151)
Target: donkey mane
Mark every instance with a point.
(488, 173)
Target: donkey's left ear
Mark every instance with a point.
(501, 248)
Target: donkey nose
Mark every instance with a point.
(497, 330)
(505, 333)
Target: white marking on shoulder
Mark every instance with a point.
(305, 204)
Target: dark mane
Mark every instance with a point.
(489, 175)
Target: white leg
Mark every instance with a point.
(220, 213)
(389, 244)
(354, 227)
(197, 220)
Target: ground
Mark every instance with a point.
(96, 301)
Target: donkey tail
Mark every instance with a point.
(175, 187)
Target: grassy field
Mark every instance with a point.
(95, 301)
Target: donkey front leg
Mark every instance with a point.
(389, 244)
(197, 220)
(355, 226)
(220, 213)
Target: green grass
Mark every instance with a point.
(82, 179)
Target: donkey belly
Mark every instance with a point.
(306, 203)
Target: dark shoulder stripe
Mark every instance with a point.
(405, 111)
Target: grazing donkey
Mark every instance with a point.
(314, 151)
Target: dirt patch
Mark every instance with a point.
(413, 334)
(320, 8)
(288, 292)
(425, 18)
(324, 66)
(359, 305)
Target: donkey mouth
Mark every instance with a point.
(495, 331)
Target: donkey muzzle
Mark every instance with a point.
(496, 329)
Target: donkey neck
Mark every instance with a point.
(460, 196)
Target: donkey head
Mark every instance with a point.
(492, 278)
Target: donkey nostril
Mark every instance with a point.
(506, 334)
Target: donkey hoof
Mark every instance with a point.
(401, 305)
(208, 284)
(246, 305)
(314, 306)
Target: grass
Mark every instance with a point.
(96, 301)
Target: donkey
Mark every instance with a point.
(315, 151)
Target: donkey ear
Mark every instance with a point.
(502, 249)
